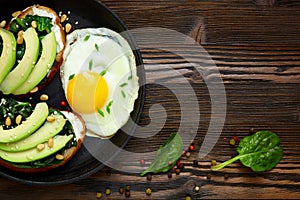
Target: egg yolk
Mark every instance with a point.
(86, 92)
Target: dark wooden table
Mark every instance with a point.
(255, 46)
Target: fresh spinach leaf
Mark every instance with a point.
(260, 151)
(167, 155)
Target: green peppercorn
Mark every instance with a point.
(99, 195)
(188, 197)
(107, 191)
(213, 162)
(148, 191)
(232, 142)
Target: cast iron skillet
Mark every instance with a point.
(88, 13)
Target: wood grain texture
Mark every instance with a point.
(254, 46)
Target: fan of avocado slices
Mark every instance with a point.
(25, 143)
(27, 53)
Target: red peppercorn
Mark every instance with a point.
(236, 139)
(192, 147)
(63, 103)
(178, 163)
(183, 152)
(142, 161)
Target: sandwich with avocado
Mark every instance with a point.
(37, 138)
(31, 49)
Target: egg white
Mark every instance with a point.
(106, 52)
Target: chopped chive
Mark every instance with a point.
(108, 106)
(129, 78)
(97, 47)
(103, 73)
(86, 38)
(123, 94)
(123, 85)
(90, 65)
(101, 112)
(71, 77)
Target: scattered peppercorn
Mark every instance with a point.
(177, 171)
(188, 154)
(107, 191)
(208, 176)
(197, 188)
(127, 187)
(121, 190)
(178, 163)
(181, 166)
(149, 177)
(251, 130)
(183, 152)
(99, 195)
(169, 174)
(127, 193)
(232, 142)
(192, 147)
(236, 139)
(213, 162)
(63, 103)
(226, 176)
(195, 163)
(142, 162)
(188, 197)
(148, 191)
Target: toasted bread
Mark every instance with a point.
(79, 129)
(61, 34)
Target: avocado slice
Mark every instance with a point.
(29, 126)
(18, 75)
(48, 130)
(35, 154)
(8, 55)
(43, 65)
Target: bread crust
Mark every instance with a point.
(68, 153)
(59, 55)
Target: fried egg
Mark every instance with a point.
(99, 79)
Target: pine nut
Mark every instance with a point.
(34, 90)
(63, 18)
(2, 24)
(50, 119)
(15, 14)
(59, 157)
(40, 147)
(20, 38)
(50, 142)
(33, 24)
(18, 119)
(7, 121)
(68, 27)
(44, 97)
